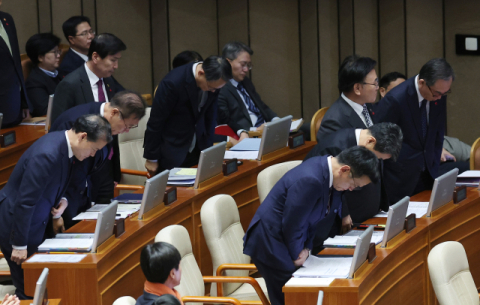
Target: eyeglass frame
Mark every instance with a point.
(244, 64)
(376, 83)
(439, 94)
(56, 52)
(123, 119)
(85, 33)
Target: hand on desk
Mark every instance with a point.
(26, 114)
(151, 167)
(243, 135)
(261, 127)
(447, 156)
(57, 212)
(10, 299)
(347, 224)
(58, 226)
(302, 257)
(19, 256)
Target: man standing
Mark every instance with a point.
(418, 106)
(37, 185)
(282, 230)
(239, 104)
(182, 120)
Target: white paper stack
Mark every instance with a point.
(182, 176)
(349, 240)
(418, 208)
(328, 267)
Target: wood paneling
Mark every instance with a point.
(24, 13)
(232, 22)
(346, 28)
(392, 37)
(61, 11)
(160, 41)
(366, 28)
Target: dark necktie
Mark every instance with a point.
(423, 114)
(251, 105)
(365, 113)
(101, 95)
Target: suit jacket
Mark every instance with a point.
(341, 115)
(175, 118)
(35, 186)
(12, 85)
(401, 106)
(75, 90)
(232, 110)
(287, 220)
(39, 88)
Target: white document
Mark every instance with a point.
(336, 267)
(74, 235)
(349, 240)
(309, 282)
(296, 124)
(241, 155)
(56, 258)
(249, 144)
(66, 244)
(419, 208)
(470, 174)
(86, 216)
(178, 174)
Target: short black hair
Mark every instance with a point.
(106, 44)
(130, 103)
(390, 77)
(186, 57)
(353, 70)
(435, 69)
(40, 44)
(388, 138)
(232, 49)
(216, 67)
(96, 127)
(70, 26)
(157, 260)
(362, 162)
(166, 299)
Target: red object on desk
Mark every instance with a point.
(225, 130)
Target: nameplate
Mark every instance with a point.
(371, 253)
(170, 195)
(229, 167)
(119, 227)
(410, 223)
(8, 139)
(296, 140)
(459, 194)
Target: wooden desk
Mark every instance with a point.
(9, 156)
(114, 272)
(50, 302)
(399, 274)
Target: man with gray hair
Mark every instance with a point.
(239, 104)
(418, 106)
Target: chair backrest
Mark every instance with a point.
(316, 121)
(124, 301)
(475, 155)
(450, 275)
(269, 176)
(224, 236)
(131, 151)
(191, 283)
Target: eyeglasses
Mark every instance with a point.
(438, 94)
(85, 33)
(56, 52)
(245, 64)
(374, 84)
(123, 119)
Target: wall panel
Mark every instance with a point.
(61, 11)
(232, 22)
(346, 28)
(392, 36)
(366, 28)
(45, 16)
(24, 13)
(88, 9)
(160, 40)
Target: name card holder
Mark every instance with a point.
(410, 223)
(119, 227)
(459, 194)
(7, 139)
(229, 167)
(296, 140)
(170, 195)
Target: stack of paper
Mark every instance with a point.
(123, 211)
(66, 245)
(349, 240)
(182, 176)
(295, 126)
(247, 149)
(56, 258)
(414, 207)
(331, 267)
(469, 178)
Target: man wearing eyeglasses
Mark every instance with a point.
(418, 106)
(95, 182)
(239, 105)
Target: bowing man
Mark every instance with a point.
(282, 230)
(34, 191)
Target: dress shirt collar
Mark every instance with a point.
(356, 107)
(92, 77)
(329, 161)
(234, 82)
(194, 67)
(70, 151)
(83, 56)
(102, 110)
(357, 135)
(50, 73)
(420, 97)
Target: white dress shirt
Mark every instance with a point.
(329, 162)
(356, 107)
(93, 83)
(83, 56)
(357, 135)
(420, 99)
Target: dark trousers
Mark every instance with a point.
(275, 280)
(425, 182)
(449, 165)
(102, 184)
(16, 271)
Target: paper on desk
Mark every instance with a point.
(56, 258)
(419, 208)
(187, 172)
(86, 216)
(350, 239)
(174, 176)
(309, 282)
(62, 244)
(296, 125)
(249, 144)
(470, 174)
(241, 155)
(328, 267)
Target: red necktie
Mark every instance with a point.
(101, 95)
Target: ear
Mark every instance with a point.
(82, 136)
(95, 57)
(71, 40)
(371, 140)
(344, 169)
(382, 91)
(356, 88)
(41, 58)
(172, 273)
(421, 83)
(201, 72)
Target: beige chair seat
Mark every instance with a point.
(4, 289)
(4, 265)
(246, 292)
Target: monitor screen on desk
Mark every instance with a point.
(105, 224)
(275, 136)
(154, 190)
(395, 220)
(442, 192)
(40, 288)
(210, 163)
(361, 251)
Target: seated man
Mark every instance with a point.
(239, 105)
(283, 228)
(182, 121)
(160, 264)
(37, 184)
(95, 181)
(92, 81)
(186, 57)
(43, 51)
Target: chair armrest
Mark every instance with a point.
(127, 187)
(237, 279)
(253, 134)
(5, 273)
(224, 267)
(148, 99)
(1, 255)
(211, 300)
(134, 172)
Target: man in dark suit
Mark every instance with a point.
(123, 113)
(36, 187)
(358, 83)
(43, 51)
(14, 102)
(239, 104)
(182, 121)
(418, 106)
(282, 230)
(92, 81)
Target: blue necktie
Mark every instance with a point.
(251, 105)
(423, 115)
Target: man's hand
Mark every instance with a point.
(447, 156)
(26, 114)
(243, 135)
(151, 167)
(347, 224)
(10, 300)
(57, 212)
(302, 257)
(115, 183)
(58, 226)
(261, 127)
(18, 256)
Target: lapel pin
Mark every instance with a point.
(436, 103)
(110, 90)
(6, 23)
(373, 113)
(108, 85)
(4, 19)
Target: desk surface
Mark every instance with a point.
(115, 271)
(50, 302)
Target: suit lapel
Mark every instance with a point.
(354, 120)
(109, 87)
(415, 110)
(85, 86)
(241, 104)
(3, 44)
